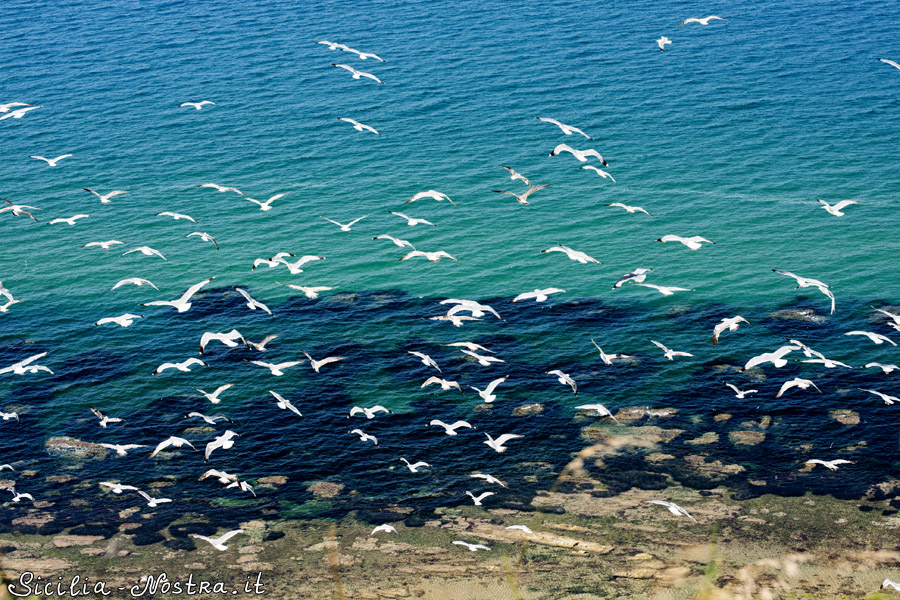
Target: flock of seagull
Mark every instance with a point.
(458, 313)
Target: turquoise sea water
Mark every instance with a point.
(731, 133)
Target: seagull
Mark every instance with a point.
(484, 361)
(219, 542)
(670, 354)
(357, 74)
(884, 368)
(181, 304)
(359, 126)
(412, 221)
(205, 237)
(472, 547)
(267, 205)
(636, 276)
(19, 113)
(477, 499)
(184, 366)
(469, 345)
(524, 528)
(52, 161)
(827, 362)
(104, 420)
(7, 107)
(214, 397)
(432, 256)
(445, 385)
(487, 394)
(673, 508)
(476, 308)
(251, 303)
(146, 251)
(538, 295)
(224, 441)
(739, 393)
(105, 198)
(369, 412)
(730, 324)
(364, 437)
(295, 267)
(887, 399)
(19, 209)
(348, 225)
(566, 129)
(599, 172)
(431, 194)
(523, 197)
(25, 366)
(601, 411)
(397, 242)
(243, 486)
(385, 528)
(776, 358)
(835, 209)
(176, 216)
(276, 369)
(426, 360)
(876, 338)
(118, 488)
(197, 105)
(221, 188)
(153, 502)
(664, 290)
(332, 45)
(694, 243)
(581, 155)
(703, 21)
(803, 282)
(5, 307)
(133, 281)
(68, 221)
(829, 464)
(513, 175)
(452, 427)
(497, 444)
(894, 319)
(10, 415)
(4, 467)
(608, 358)
(564, 379)
(362, 55)
(893, 64)
(630, 209)
(414, 467)
(311, 292)
(575, 255)
(803, 384)
(662, 41)
(123, 321)
(104, 245)
(285, 404)
(222, 476)
(122, 449)
(489, 479)
(211, 419)
(230, 339)
(318, 364)
(887, 582)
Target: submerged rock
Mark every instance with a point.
(66, 447)
(845, 416)
(526, 410)
(326, 489)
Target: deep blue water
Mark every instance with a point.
(731, 133)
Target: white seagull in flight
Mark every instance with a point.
(662, 42)
(487, 394)
(359, 126)
(434, 194)
(183, 366)
(803, 384)
(835, 209)
(537, 295)
(52, 161)
(285, 404)
(357, 74)
(730, 324)
(197, 105)
(566, 129)
(412, 221)
(629, 209)
(670, 354)
(498, 444)
(564, 379)
(581, 155)
(182, 304)
(673, 508)
(252, 304)
(219, 542)
(267, 205)
(599, 172)
(146, 251)
(703, 21)
(694, 243)
(523, 197)
(68, 221)
(575, 255)
(875, 338)
(19, 113)
(348, 225)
